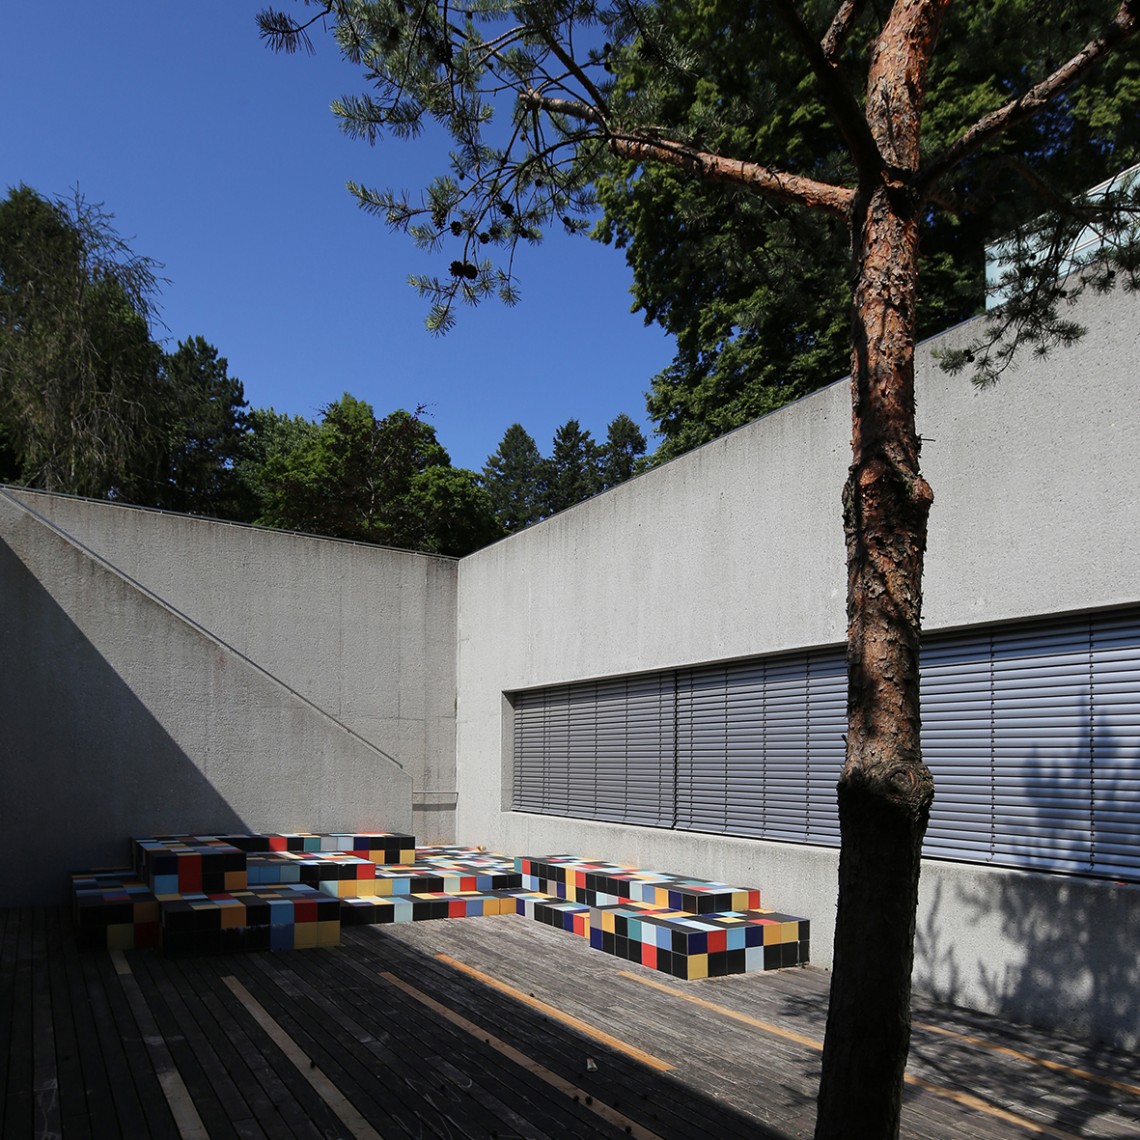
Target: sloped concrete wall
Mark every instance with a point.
(736, 549)
(122, 718)
(364, 632)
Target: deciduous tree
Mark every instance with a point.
(80, 385)
(387, 481)
(869, 69)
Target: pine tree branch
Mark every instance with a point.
(1120, 29)
(777, 185)
(844, 108)
(846, 17)
(645, 147)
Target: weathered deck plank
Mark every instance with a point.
(97, 1045)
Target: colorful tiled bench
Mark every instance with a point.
(294, 890)
(690, 946)
(689, 928)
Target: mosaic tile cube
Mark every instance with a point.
(598, 884)
(562, 914)
(422, 907)
(258, 918)
(114, 909)
(692, 946)
(174, 864)
(433, 876)
(309, 867)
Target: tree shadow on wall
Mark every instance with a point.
(86, 764)
(1078, 965)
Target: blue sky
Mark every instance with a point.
(222, 161)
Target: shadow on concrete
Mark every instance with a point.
(85, 764)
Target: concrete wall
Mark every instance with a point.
(121, 718)
(736, 549)
(364, 632)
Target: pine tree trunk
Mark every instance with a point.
(885, 791)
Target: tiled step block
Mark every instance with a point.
(562, 914)
(602, 884)
(377, 846)
(692, 946)
(425, 877)
(176, 864)
(114, 909)
(293, 917)
(370, 910)
(471, 860)
(309, 867)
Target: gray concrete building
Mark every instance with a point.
(652, 677)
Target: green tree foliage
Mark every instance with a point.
(513, 477)
(573, 471)
(387, 481)
(452, 511)
(81, 393)
(756, 292)
(624, 447)
(205, 434)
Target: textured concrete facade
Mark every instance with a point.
(365, 633)
(121, 718)
(737, 550)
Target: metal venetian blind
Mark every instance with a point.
(957, 737)
(1115, 748)
(598, 750)
(759, 747)
(1033, 735)
(1041, 700)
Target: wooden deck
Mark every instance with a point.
(491, 1027)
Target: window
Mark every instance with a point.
(1032, 732)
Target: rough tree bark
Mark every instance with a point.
(885, 791)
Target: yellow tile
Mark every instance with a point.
(328, 932)
(773, 934)
(121, 936)
(236, 880)
(791, 931)
(698, 966)
(305, 935)
(233, 916)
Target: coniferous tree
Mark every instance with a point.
(573, 469)
(514, 478)
(624, 446)
(205, 434)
